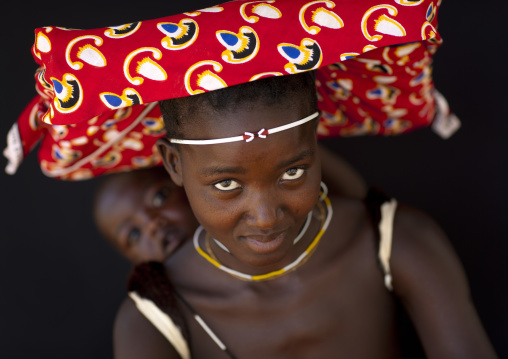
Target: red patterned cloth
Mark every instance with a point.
(96, 111)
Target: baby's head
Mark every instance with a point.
(143, 214)
(252, 194)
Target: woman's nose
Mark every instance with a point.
(264, 210)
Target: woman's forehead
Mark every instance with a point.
(274, 152)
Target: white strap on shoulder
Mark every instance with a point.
(385, 243)
(163, 323)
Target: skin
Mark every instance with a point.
(335, 303)
(144, 215)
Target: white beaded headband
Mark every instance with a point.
(247, 136)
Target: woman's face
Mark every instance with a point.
(252, 197)
(145, 217)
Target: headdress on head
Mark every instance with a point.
(372, 63)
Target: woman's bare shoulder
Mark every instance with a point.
(422, 250)
(422, 256)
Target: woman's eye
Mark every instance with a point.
(160, 197)
(133, 236)
(227, 185)
(293, 174)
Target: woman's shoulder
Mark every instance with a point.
(423, 259)
(417, 234)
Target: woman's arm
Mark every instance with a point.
(431, 283)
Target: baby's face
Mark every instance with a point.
(146, 217)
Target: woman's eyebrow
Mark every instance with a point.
(299, 157)
(217, 170)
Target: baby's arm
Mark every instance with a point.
(431, 283)
(135, 337)
(339, 176)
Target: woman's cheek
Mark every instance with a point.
(210, 211)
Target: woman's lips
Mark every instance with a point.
(265, 244)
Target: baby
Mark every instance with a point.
(143, 214)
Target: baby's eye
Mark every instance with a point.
(293, 174)
(227, 185)
(160, 197)
(133, 237)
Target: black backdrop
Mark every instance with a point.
(60, 283)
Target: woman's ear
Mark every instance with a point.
(171, 159)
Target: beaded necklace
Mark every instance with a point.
(271, 275)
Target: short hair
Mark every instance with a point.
(289, 90)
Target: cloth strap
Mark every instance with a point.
(386, 236)
(163, 323)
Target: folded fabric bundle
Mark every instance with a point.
(96, 110)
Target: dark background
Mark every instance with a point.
(60, 283)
